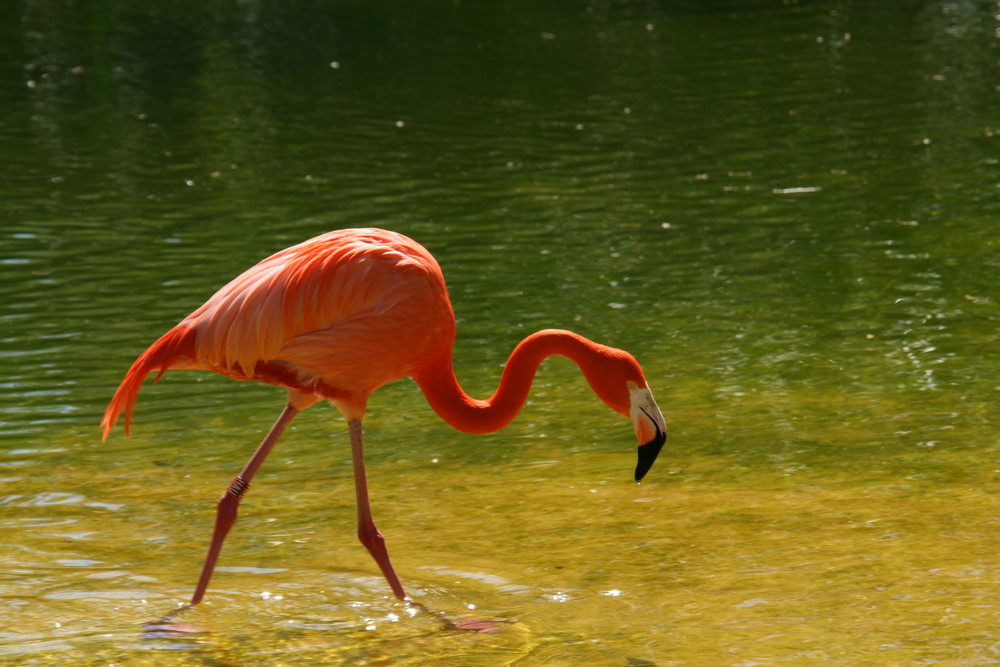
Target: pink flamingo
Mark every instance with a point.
(340, 315)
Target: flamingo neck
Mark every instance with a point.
(470, 415)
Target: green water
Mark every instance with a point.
(786, 210)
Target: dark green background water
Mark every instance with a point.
(786, 210)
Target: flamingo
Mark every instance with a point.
(338, 316)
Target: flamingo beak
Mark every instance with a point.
(650, 428)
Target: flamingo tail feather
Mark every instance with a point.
(175, 344)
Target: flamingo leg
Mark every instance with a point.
(225, 515)
(368, 532)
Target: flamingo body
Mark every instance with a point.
(317, 318)
(340, 315)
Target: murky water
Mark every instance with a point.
(786, 211)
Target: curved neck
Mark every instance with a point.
(451, 403)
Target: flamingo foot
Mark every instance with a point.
(465, 624)
(166, 628)
(479, 624)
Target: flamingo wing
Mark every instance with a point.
(338, 315)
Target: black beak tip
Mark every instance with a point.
(648, 453)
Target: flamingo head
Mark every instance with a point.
(619, 382)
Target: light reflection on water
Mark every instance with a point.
(809, 284)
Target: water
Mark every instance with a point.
(786, 211)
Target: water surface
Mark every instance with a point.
(786, 211)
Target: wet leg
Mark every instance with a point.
(368, 533)
(226, 511)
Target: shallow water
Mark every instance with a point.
(786, 211)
